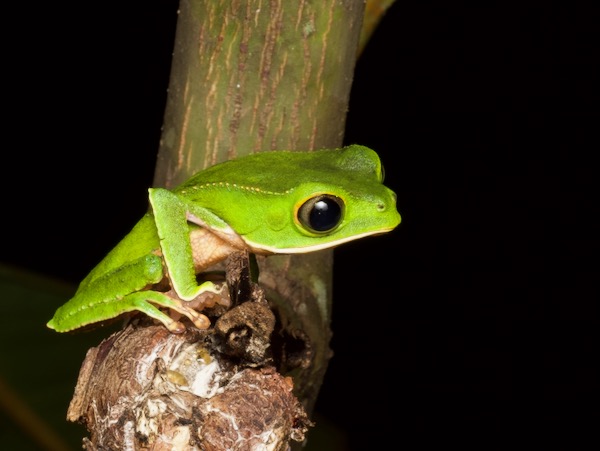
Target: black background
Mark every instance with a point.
(473, 323)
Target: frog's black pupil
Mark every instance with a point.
(325, 214)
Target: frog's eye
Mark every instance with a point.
(322, 213)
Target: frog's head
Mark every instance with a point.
(322, 216)
(312, 201)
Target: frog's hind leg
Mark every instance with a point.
(146, 302)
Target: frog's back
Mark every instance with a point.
(283, 170)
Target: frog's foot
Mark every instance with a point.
(147, 302)
(217, 294)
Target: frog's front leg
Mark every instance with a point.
(171, 217)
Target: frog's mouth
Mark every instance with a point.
(262, 249)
